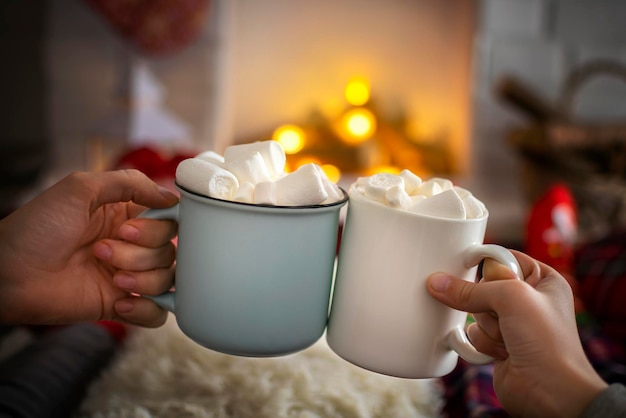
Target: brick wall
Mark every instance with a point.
(539, 41)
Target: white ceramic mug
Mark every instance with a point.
(382, 317)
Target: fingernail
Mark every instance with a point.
(129, 233)
(124, 306)
(440, 282)
(102, 251)
(125, 281)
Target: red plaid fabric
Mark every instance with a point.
(468, 390)
(600, 270)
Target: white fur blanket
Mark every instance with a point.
(162, 373)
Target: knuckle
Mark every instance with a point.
(465, 292)
(516, 291)
(79, 180)
(132, 173)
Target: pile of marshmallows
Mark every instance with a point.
(255, 173)
(406, 191)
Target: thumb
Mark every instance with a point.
(459, 294)
(129, 185)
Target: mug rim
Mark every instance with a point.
(199, 196)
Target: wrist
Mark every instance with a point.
(576, 389)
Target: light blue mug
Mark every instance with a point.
(251, 280)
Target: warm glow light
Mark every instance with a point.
(420, 132)
(291, 137)
(384, 169)
(357, 91)
(332, 172)
(309, 159)
(359, 124)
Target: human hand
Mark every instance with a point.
(77, 252)
(529, 327)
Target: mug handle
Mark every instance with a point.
(457, 339)
(164, 300)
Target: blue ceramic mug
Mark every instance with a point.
(251, 280)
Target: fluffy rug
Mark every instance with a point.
(161, 373)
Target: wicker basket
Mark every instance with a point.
(589, 157)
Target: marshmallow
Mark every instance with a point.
(271, 151)
(375, 187)
(206, 178)
(462, 192)
(251, 168)
(211, 157)
(437, 197)
(254, 173)
(302, 187)
(397, 197)
(444, 183)
(411, 181)
(446, 204)
(474, 207)
(265, 193)
(429, 188)
(332, 190)
(245, 193)
(417, 198)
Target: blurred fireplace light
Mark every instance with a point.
(357, 91)
(357, 125)
(309, 159)
(291, 137)
(361, 141)
(332, 172)
(384, 169)
(296, 161)
(421, 133)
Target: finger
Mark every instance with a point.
(148, 232)
(152, 282)
(126, 186)
(131, 257)
(489, 323)
(496, 296)
(483, 342)
(534, 271)
(140, 311)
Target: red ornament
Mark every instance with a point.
(552, 227)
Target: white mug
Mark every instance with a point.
(382, 317)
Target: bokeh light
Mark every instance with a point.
(291, 137)
(332, 172)
(357, 91)
(358, 125)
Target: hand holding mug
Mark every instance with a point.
(529, 327)
(64, 252)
